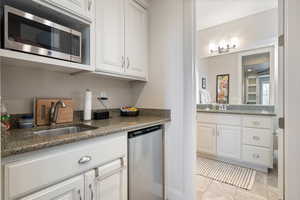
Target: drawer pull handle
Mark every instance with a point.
(113, 172)
(92, 192)
(79, 194)
(256, 123)
(256, 138)
(84, 159)
(256, 156)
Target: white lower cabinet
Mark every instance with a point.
(229, 141)
(72, 189)
(206, 138)
(89, 170)
(110, 184)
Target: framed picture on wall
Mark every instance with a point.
(222, 89)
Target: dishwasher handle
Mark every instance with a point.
(144, 131)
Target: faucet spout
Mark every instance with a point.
(54, 111)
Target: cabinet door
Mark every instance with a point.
(77, 6)
(89, 185)
(111, 183)
(110, 36)
(72, 189)
(206, 138)
(136, 43)
(229, 142)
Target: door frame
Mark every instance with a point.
(273, 68)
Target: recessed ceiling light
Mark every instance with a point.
(250, 70)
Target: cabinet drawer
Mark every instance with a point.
(258, 122)
(257, 155)
(257, 137)
(42, 169)
(218, 118)
(207, 118)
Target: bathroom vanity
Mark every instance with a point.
(240, 137)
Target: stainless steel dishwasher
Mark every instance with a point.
(146, 166)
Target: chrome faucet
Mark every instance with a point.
(54, 111)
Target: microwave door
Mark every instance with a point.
(76, 53)
(61, 42)
(28, 33)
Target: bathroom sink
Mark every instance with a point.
(65, 130)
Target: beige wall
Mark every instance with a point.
(226, 64)
(20, 85)
(251, 31)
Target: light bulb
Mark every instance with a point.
(234, 42)
(212, 47)
(222, 44)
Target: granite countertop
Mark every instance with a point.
(23, 140)
(241, 112)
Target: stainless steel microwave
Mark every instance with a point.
(29, 33)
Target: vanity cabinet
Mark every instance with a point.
(98, 166)
(206, 141)
(229, 141)
(121, 38)
(241, 139)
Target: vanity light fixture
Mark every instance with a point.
(223, 46)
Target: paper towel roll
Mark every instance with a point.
(88, 105)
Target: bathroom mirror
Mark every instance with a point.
(250, 74)
(256, 79)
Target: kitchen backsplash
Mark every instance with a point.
(20, 85)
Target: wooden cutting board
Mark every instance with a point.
(43, 106)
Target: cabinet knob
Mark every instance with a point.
(256, 156)
(256, 138)
(84, 159)
(256, 123)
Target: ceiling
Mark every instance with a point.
(214, 12)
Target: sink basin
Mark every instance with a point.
(65, 130)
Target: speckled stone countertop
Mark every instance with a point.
(240, 112)
(240, 109)
(19, 141)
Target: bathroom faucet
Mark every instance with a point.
(54, 111)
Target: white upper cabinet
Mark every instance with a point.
(121, 38)
(206, 138)
(110, 36)
(136, 47)
(81, 8)
(229, 141)
(72, 189)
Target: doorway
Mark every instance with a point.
(239, 144)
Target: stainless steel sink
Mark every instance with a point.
(65, 130)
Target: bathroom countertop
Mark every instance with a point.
(240, 112)
(19, 141)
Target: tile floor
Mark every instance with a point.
(265, 188)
